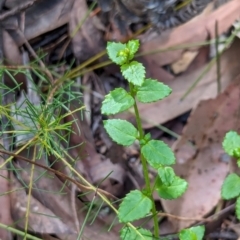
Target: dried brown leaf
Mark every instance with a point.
(182, 64)
(171, 107)
(42, 17)
(203, 25)
(50, 191)
(86, 40)
(207, 166)
(5, 213)
(12, 57)
(40, 218)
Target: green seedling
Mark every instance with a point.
(193, 233)
(231, 185)
(139, 204)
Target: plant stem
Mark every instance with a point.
(18, 232)
(145, 166)
(148, 187)
(29, 193)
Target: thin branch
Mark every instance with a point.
(17, 9)
(81, 186)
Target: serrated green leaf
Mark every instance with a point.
(152, 90)
(167, 175)
(173, 191)
(134, 206)
(193, 233)
(238, 208)
(116, 52)
(185, 234)
(121, 131)
(127, 233)
(231, 187)
(134, 72)
(132, 46)
(157, 153)
(199, 231)
(231, 144)
(117, 101)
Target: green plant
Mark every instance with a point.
(43, 125)
(231, 185)
(138, 204)
(195, 233)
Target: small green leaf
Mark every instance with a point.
(231, 187)
(134, 206)
(117, 101)
(185, 234)
(157, 153)
(231, 144)
(132, 46)
(173, 191)
(236, 152)
(167, 175)
(193, 233)
(238, 208)
(117, 52)
(121, 131)
(152, 90)
(143, 141)
(134, 72)
(147, 137)
(238, 163)
(127, 233)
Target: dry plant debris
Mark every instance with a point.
(201, 159)
(65, 29)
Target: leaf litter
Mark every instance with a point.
(54, 207)
(207, 166)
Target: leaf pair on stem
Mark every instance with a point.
(138, 204)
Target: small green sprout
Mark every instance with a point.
(139, 204)
(231, 185)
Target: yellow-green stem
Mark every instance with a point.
(145, 166)
(30, 193)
